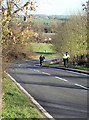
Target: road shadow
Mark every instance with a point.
(44, 83)
(68, 109)
(52, 75)
(43, 53)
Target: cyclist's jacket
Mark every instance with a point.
(42, 58)
(66, 56)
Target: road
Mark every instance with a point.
(60, 92)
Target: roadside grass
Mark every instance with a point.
(78, 67)
(16, 104)
(69, 66)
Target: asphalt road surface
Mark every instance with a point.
(60, 92)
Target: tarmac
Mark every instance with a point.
(57, 67)
(67, 68)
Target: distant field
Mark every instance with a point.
(42, 20)
(39, 48)
(45, 20)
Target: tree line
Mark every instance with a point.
(71, 37)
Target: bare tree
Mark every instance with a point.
(10, 39)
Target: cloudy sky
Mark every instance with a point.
(59, 7)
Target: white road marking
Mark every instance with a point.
(81, 86)
(61, 78)
(19, 65)
(77, 73)
(64, 79)
(43, 111)
(46, 73)
(36, 65)
(70, 71)
(42, 72)
(73, 83)
(36, 70)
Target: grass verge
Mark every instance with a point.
(69, 66)
(16, 104)
(78, 67)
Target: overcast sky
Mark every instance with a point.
(59, 7)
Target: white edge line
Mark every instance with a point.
(43, 111)
(75, 72)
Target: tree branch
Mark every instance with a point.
(20, 8)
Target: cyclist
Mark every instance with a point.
(41, 59)
(65, 58)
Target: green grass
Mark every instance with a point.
(69, 66)
(45, 20)
(16, 104)
(41, 47)
(79, 67)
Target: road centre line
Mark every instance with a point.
(50, 74)
(61, 78)
(75, 72)
(36, 70)
(74, 84)
(82, 86)
(42, 72)
(46, 73)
